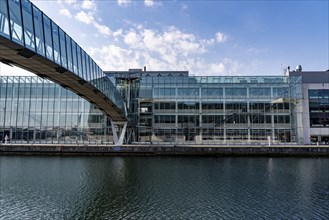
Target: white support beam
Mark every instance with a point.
(118, 141)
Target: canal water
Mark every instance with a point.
(163, 188)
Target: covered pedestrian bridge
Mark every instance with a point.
(31, 40)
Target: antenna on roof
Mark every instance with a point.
(285, 70)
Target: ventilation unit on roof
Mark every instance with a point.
(298, 68)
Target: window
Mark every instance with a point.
(212, 92)
(236, 92)
(164, 92)
(281, 92)
(164, 105)
(281, 119)
(188, 92)
(164, 119)
(212, 106)
(260, 92)
(319, 107)
(188, 105)
(212, 119)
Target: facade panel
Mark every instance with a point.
(16, 21)
(38, 31)
(4, 20)
(28, 25)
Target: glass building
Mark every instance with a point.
(166, 107)
(174, 108)
(36, 110)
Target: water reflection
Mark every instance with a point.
(163, 187)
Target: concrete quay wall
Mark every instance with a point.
(192, 150)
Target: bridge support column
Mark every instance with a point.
(118, 141)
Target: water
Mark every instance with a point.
(163, 188)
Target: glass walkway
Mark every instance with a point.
(31, 40)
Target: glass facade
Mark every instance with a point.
(319, 107)
(35, 110)
(216, 110)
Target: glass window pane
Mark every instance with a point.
(83, 71)
(4, 22)
(256, 92)
(69, 52)
(16, 21)
(38, 30)
(79, 60)
(93, 70)
(87, 68)
(28, 24)
(48, 38)
(57, 57)
(63, 47)
(74, 57)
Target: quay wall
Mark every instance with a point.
(190, 150)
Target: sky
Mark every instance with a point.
(202, 37)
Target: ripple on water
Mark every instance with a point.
(163, 188)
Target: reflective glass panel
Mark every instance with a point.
(16, 21)
(69, 52)
(63, 47)
(74, 57)
(28, 24)
(48, 38)
(212, 92)
(236, 91)
(57, 57)
(38, 29)
(87, 76)
(83, 63)
(188, 91)
(256, 92)
(4, 22)
(79, 60)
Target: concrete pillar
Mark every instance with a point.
(118, 141)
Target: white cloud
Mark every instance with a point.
(152, 3)
(84, 17)
(69, 2)
(220, 37)
(132, 39)
(170, 49)
(88, 5)
(149, 3)
(103, 29)
(113, 57)
(124, 2)
(117, 33)
(88, 18)
(65, 12)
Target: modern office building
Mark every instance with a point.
(168, 107)
(174, 108)
(36, 110)
(72, 100)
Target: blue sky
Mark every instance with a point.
(203, 37)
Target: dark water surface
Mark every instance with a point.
(163, 188)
